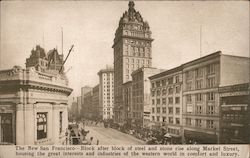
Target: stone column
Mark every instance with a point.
(19, 124)
(66, 120)
(55, 128)
(29, 125)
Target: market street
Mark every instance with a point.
(109, 136)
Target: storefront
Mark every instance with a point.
(194, 137)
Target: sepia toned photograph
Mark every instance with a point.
(124, 72)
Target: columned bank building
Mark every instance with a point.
(33, 101)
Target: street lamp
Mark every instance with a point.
(66, 134)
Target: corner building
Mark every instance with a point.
(166, 101)
(202, 79)
(132, 50)
(33, 107)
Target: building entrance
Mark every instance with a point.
(6, 132)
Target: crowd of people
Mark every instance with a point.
(78, 134)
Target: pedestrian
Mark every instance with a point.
(90, 140)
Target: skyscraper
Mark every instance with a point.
(106, 90)
(132, 50)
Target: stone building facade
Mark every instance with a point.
(201, 101)
(166, 101)
(235, 114)
(96, 110)
(88, 103)
(84, 90)
(127, 100)
(33, 107)
(132, 50)
(141, 96)
(106, 93)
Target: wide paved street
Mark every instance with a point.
(109, 136)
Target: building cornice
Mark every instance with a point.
(28, 84)
(168, 72)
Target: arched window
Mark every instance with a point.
(41, 125)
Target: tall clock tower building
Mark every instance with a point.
(132, 50)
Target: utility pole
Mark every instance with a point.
(62, 40)
(200, 40)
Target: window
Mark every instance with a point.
(177, 121)
(211, 96)
(177, 79)
(177, 100)
(178, 89)
(211, 82)
(170, 120)
(164, 110)
(198, 97)
(189, 85)
(158, 118)
(198, 109)
(198, 84)
(60, 121)
(158, 92)
(41, 125)
(158, 101)
(158, 84)
(163, 119)
(170, 100)
(210, 69)
(170, 110)
(170, 91)
(163, 101)
(211, 109)
(198, 72)
(188, 121)
(158, 109)
(153, 85)
(153, 93)
(153, 101)
(177, 111)
(170, 80)
(210, 124)
(153, 118)
(164, 92)
(198, 122)
(163, 82)
(189, 74)
(189, 98)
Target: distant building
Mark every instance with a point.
(106, 92)
(166, 101)
(79, 105)
(132, 50)
(87, 110)
(202, 79)
(33, 106)
(96, 110)
(73, 110)
(235, 114)
(141, 96)
(51, 62)
(84, 90)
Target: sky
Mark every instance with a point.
(91, 26)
